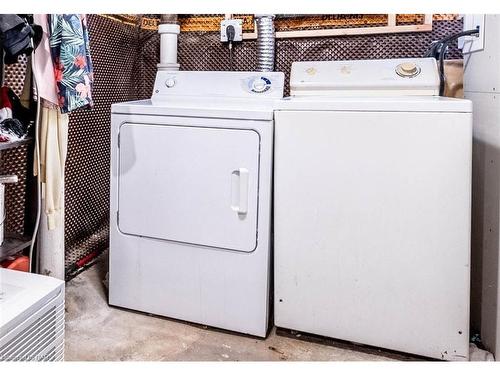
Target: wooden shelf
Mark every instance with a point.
(9, 145)
(13, 244)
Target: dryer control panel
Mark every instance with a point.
(392, 77)
(218, 84)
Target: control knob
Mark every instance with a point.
(170, 82)
(259, 85)
(408, 69)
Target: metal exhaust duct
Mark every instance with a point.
(265, 42)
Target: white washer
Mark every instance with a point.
(191, 174)
(372, 203)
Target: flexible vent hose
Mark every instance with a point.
(265, 43)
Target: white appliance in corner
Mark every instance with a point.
(31, 317)
(191, 199)
(372, 196)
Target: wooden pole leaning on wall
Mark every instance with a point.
(390, 28)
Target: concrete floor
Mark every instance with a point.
(97, 332)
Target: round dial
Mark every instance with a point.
(260, 84)
(170, 82)
(408, 69)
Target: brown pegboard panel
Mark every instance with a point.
(445, 17)
(15, 74)
(283, 22)
(208, 22)
(204, 51)
(148, 58)
(410, 19)
(329, 21)
(113, 48)
(129, 19)
(15, 161)
(359, 47)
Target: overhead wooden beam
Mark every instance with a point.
(390, 28)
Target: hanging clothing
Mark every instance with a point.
(16, 35)
(53, 142)
(70, 51)
(43, 68)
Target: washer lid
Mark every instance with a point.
(375, 104)
(392, 77)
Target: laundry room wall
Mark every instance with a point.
(125, 57)
(115, 51)
(114, 48)
(202, 50)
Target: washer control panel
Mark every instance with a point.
(391, 77)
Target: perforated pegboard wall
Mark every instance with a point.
(15, 74)
(113, 48)
(204, 51)
(15, 161)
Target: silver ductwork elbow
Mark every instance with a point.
(265, 42)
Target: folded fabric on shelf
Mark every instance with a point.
(12, 129)
(15, 124)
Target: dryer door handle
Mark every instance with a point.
(239, 194)
(243, 191)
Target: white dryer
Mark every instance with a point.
(191, 174)
(372, 207)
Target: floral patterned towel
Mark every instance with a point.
(69, 48)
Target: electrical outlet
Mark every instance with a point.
(472, 43)
(238, 28)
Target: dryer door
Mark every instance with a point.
(196, 185)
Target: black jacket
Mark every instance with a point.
(16, 36)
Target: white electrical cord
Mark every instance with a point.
(37, 156)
